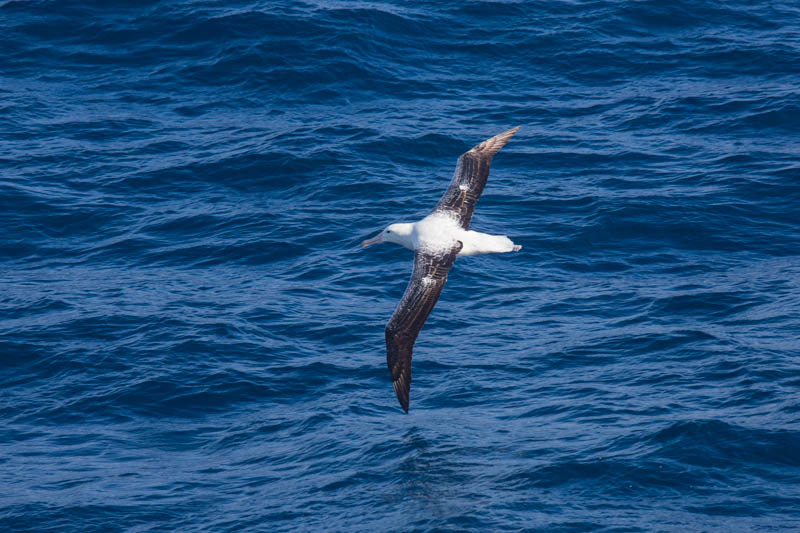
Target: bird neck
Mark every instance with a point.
(402, 234)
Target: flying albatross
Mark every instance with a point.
(436, 240)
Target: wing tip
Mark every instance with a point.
(402, 391)
(493, 145)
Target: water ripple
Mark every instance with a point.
(191, 338)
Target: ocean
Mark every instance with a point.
(192, 339)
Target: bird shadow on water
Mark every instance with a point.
(426, 481)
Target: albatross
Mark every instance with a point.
(437, 240)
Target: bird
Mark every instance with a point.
(436, 241)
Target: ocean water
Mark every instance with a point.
(191, 338)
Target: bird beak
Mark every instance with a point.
(375, 240)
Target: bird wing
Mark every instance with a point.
(427, 281)
(470, 177)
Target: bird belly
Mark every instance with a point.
(436, 233)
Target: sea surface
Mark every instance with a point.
(192, 339)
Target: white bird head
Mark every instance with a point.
(397, 233)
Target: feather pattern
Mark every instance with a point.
(472, 171)
(427, 280)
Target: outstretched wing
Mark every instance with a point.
(472, 171)
(427, 281)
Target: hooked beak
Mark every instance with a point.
(375, 240)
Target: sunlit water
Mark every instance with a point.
(191, 338)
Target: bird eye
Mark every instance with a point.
(388, 231)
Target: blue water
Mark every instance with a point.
(191, 338)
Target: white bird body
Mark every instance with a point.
(439, 232)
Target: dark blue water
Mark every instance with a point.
(191, 338)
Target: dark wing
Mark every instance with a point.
(427, 281)
(472, 171)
